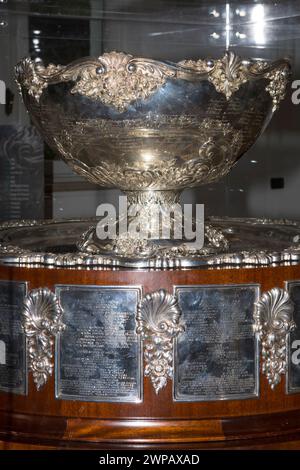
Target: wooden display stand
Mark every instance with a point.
(40, 421)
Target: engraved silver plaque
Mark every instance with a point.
(293, 350)
(217, 357)
(98, 355)
(13, 365)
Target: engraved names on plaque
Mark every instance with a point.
(21, 173)
(99, 352)
(293, 355)
(216, 358)
(13, 369)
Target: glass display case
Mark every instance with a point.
(60, 32)
(149, 224)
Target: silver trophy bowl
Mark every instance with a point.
(152, 129)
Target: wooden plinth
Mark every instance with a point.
(39, 420)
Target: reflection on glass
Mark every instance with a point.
(258, 18)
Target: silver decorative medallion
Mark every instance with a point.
(41, 322)
(273, 323)
(115, 78)
(159, 323)
(230, 72)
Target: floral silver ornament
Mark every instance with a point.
(159, 323)
(41, 323)
(118, 79)
(273, 323)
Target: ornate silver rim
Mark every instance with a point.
(12, 254)
(139, 78)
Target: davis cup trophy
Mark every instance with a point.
(110, 312)
(152, 129)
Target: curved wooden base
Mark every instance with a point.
(74, 433)
(39, 420)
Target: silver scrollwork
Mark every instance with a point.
(230, 72)
(273, 323)
(24, 247)
(41, 322)
(159, 323)
(118, 79)
(115, 78)
(218, 143)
